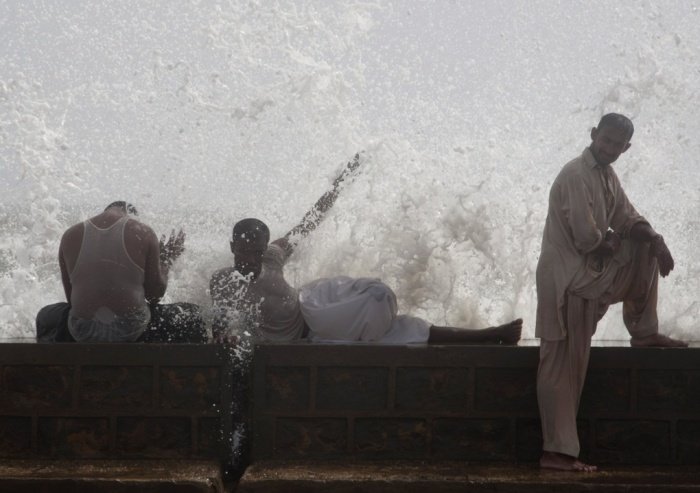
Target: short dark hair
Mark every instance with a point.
(126, 206)
(616, 120)
(251, 228)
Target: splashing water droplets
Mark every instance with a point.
(205, 112)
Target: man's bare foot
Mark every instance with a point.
(509, 333)
(656, 340)
(561, 462)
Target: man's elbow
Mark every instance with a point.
(588, 242)
(152, 300)
(154, 294)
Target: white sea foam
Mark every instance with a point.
(207, 111)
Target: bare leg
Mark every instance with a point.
(503, 334)
(656, 340)
(561, 462)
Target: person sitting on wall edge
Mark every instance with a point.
(114, 271)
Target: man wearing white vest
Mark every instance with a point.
(114, 272)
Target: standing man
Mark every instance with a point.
(596, 250)
(114, 272)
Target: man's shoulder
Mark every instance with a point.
(136, 225)
(225, 275)
(575, 163)
(277, 253)
(574, 169)
(139, 230)
(76, 229)
(72, 237)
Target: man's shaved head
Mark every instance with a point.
(126, 206)
(249, 243)
(250, 229)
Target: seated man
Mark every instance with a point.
(114, 271)
(339, 309)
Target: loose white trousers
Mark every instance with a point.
(563, 363)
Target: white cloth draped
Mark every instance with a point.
(357, 309)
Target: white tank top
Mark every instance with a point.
(107, 296)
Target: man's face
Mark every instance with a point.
(248, 254)
(608, 143)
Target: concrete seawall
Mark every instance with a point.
(310, 404)
(467, 403)
(123, 401)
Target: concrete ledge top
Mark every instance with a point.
(294, 354)
(99, 353)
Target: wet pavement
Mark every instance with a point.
(414, 477)
(110, 476)
(150, 476)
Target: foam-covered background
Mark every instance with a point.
(203, 112)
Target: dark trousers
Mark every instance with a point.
(176, 322)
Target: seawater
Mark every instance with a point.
(205, 112)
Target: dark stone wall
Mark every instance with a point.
(472, 403)
(337, 402)
(127, 401)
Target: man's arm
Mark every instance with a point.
(628, 222)
(65, 277)
(68, 251)
(609, 245)
(643, 231)
(572, 197)
(314, 216)
(160, 255)
(155, 274)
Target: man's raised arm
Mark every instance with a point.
(314, 216)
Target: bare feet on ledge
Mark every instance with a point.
(509, 333)
(656, 340)
(561, 462)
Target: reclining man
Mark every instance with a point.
(338, 309)
(114, 271)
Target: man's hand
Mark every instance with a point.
(614, 241)
(609, 246)
(171, 250)
(350, 170)
(658, 249)
(355, 163)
